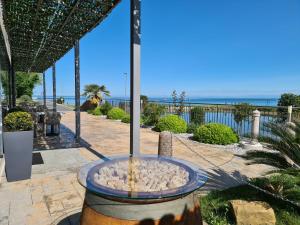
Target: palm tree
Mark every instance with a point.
(95, 92)
(285, 139)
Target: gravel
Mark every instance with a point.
(140, 175)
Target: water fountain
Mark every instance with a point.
(144, 190)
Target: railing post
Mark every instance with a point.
(255, 126)
(290, 111)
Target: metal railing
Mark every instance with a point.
(223, 113)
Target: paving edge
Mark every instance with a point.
(2, 164)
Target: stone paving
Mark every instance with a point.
(53, 195)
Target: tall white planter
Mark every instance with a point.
(18, 148)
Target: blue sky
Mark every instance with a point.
(209, 48)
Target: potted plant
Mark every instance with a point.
(18, 145)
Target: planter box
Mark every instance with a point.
(18, 148)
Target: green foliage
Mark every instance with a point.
(171, 123)
(242, 112)
(192, 127)
(16, 109)
(178, 102)
(116, 114)
(95, 112)
(152, 113)
(95, 92)
(126, 119)
(105, 108)
(197, 115)
(215, 133)
(216, 210)
(60, 100)
(285, 184)
(145, 99)
(25, 83)
(286, 140)
(18, 121)
(287, 99)
(88, 105)
(25, 99)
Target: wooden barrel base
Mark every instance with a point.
(125, 214)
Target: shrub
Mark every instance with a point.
(25, 98)
(97, 111)
(18, 121)
(90, 111)
(197, 115)
(105, 108)
(116, 114)
(126, 118)
(152, 113)
(16, 109)
(192, 127)
(215, 133)
(171, 123)
(88, 105)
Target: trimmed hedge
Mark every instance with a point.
(215, 133)
(116, 114)
(97, 111)
(126, 119)
(105, 108)
(171, 123)
(18, 121)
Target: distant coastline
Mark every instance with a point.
(70, 100)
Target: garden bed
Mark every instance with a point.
(216, 209)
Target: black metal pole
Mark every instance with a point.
(135, 43)
(77, 90)
(54, 86)
(44, 90)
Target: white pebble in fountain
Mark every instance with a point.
(139, 175)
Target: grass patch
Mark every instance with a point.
(216, 210)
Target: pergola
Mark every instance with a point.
(37, 33)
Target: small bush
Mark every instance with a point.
(97, 111)
(25, 98)
(171, 123)
(192, 127)
(16, 109)
(197, 115)
(152, 113)
(105, 108)
(126, 119)
(18, 121)
(116, 114)
(215, 133)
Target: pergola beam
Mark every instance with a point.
(77, 91)
(135, 48)
(44, 90)
(54, 86)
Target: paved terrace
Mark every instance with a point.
(53, 195)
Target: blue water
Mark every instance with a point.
(230, 101)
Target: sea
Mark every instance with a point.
(70, 100)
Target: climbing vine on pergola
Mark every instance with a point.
(41, 31)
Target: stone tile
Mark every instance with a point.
(54, 206)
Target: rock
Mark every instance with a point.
(253, 213)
